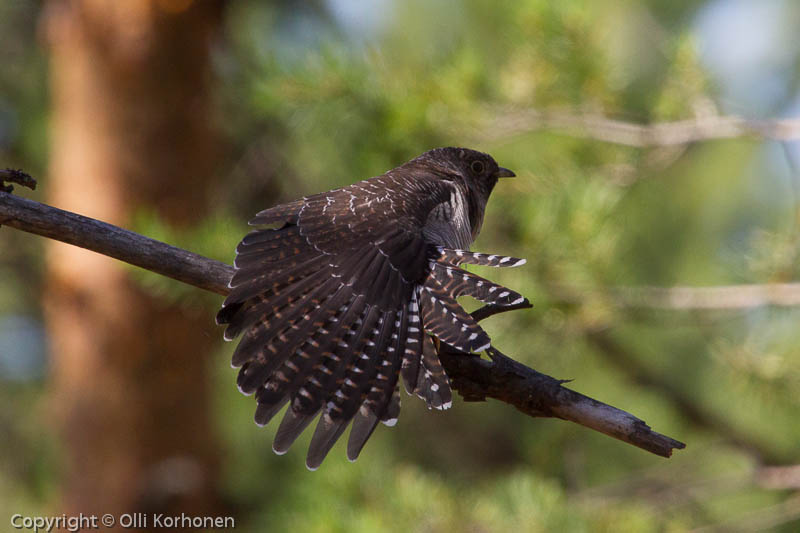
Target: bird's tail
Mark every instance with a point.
(446, 320)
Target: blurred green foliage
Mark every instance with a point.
(309, 110)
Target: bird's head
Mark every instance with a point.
(476, 171)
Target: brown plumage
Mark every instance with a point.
(346, 291)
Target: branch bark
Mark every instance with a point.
(539, 395)
(113, 241)
(476, 379)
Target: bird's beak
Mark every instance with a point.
(504, 173)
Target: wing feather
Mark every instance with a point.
(332, 305)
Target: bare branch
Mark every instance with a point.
(540, 395)
(113, 241)
(726, 297)
(601, 128)
(475, 379)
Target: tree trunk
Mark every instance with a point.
(130, 84)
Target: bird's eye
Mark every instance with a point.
(477, 167)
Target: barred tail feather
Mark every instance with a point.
(413, 350)
(367, 370)
(392, 412)
(457, 282)
(457, 257)
(383, 386)
(349, 345)
(433, 385)
(448, 321)
(344, 404)
(382, 402)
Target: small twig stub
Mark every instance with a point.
(15, 176)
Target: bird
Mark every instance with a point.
(341, 295)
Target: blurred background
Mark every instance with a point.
(660, 258)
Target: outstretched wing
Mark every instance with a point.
(334, 304)
(326, 308)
